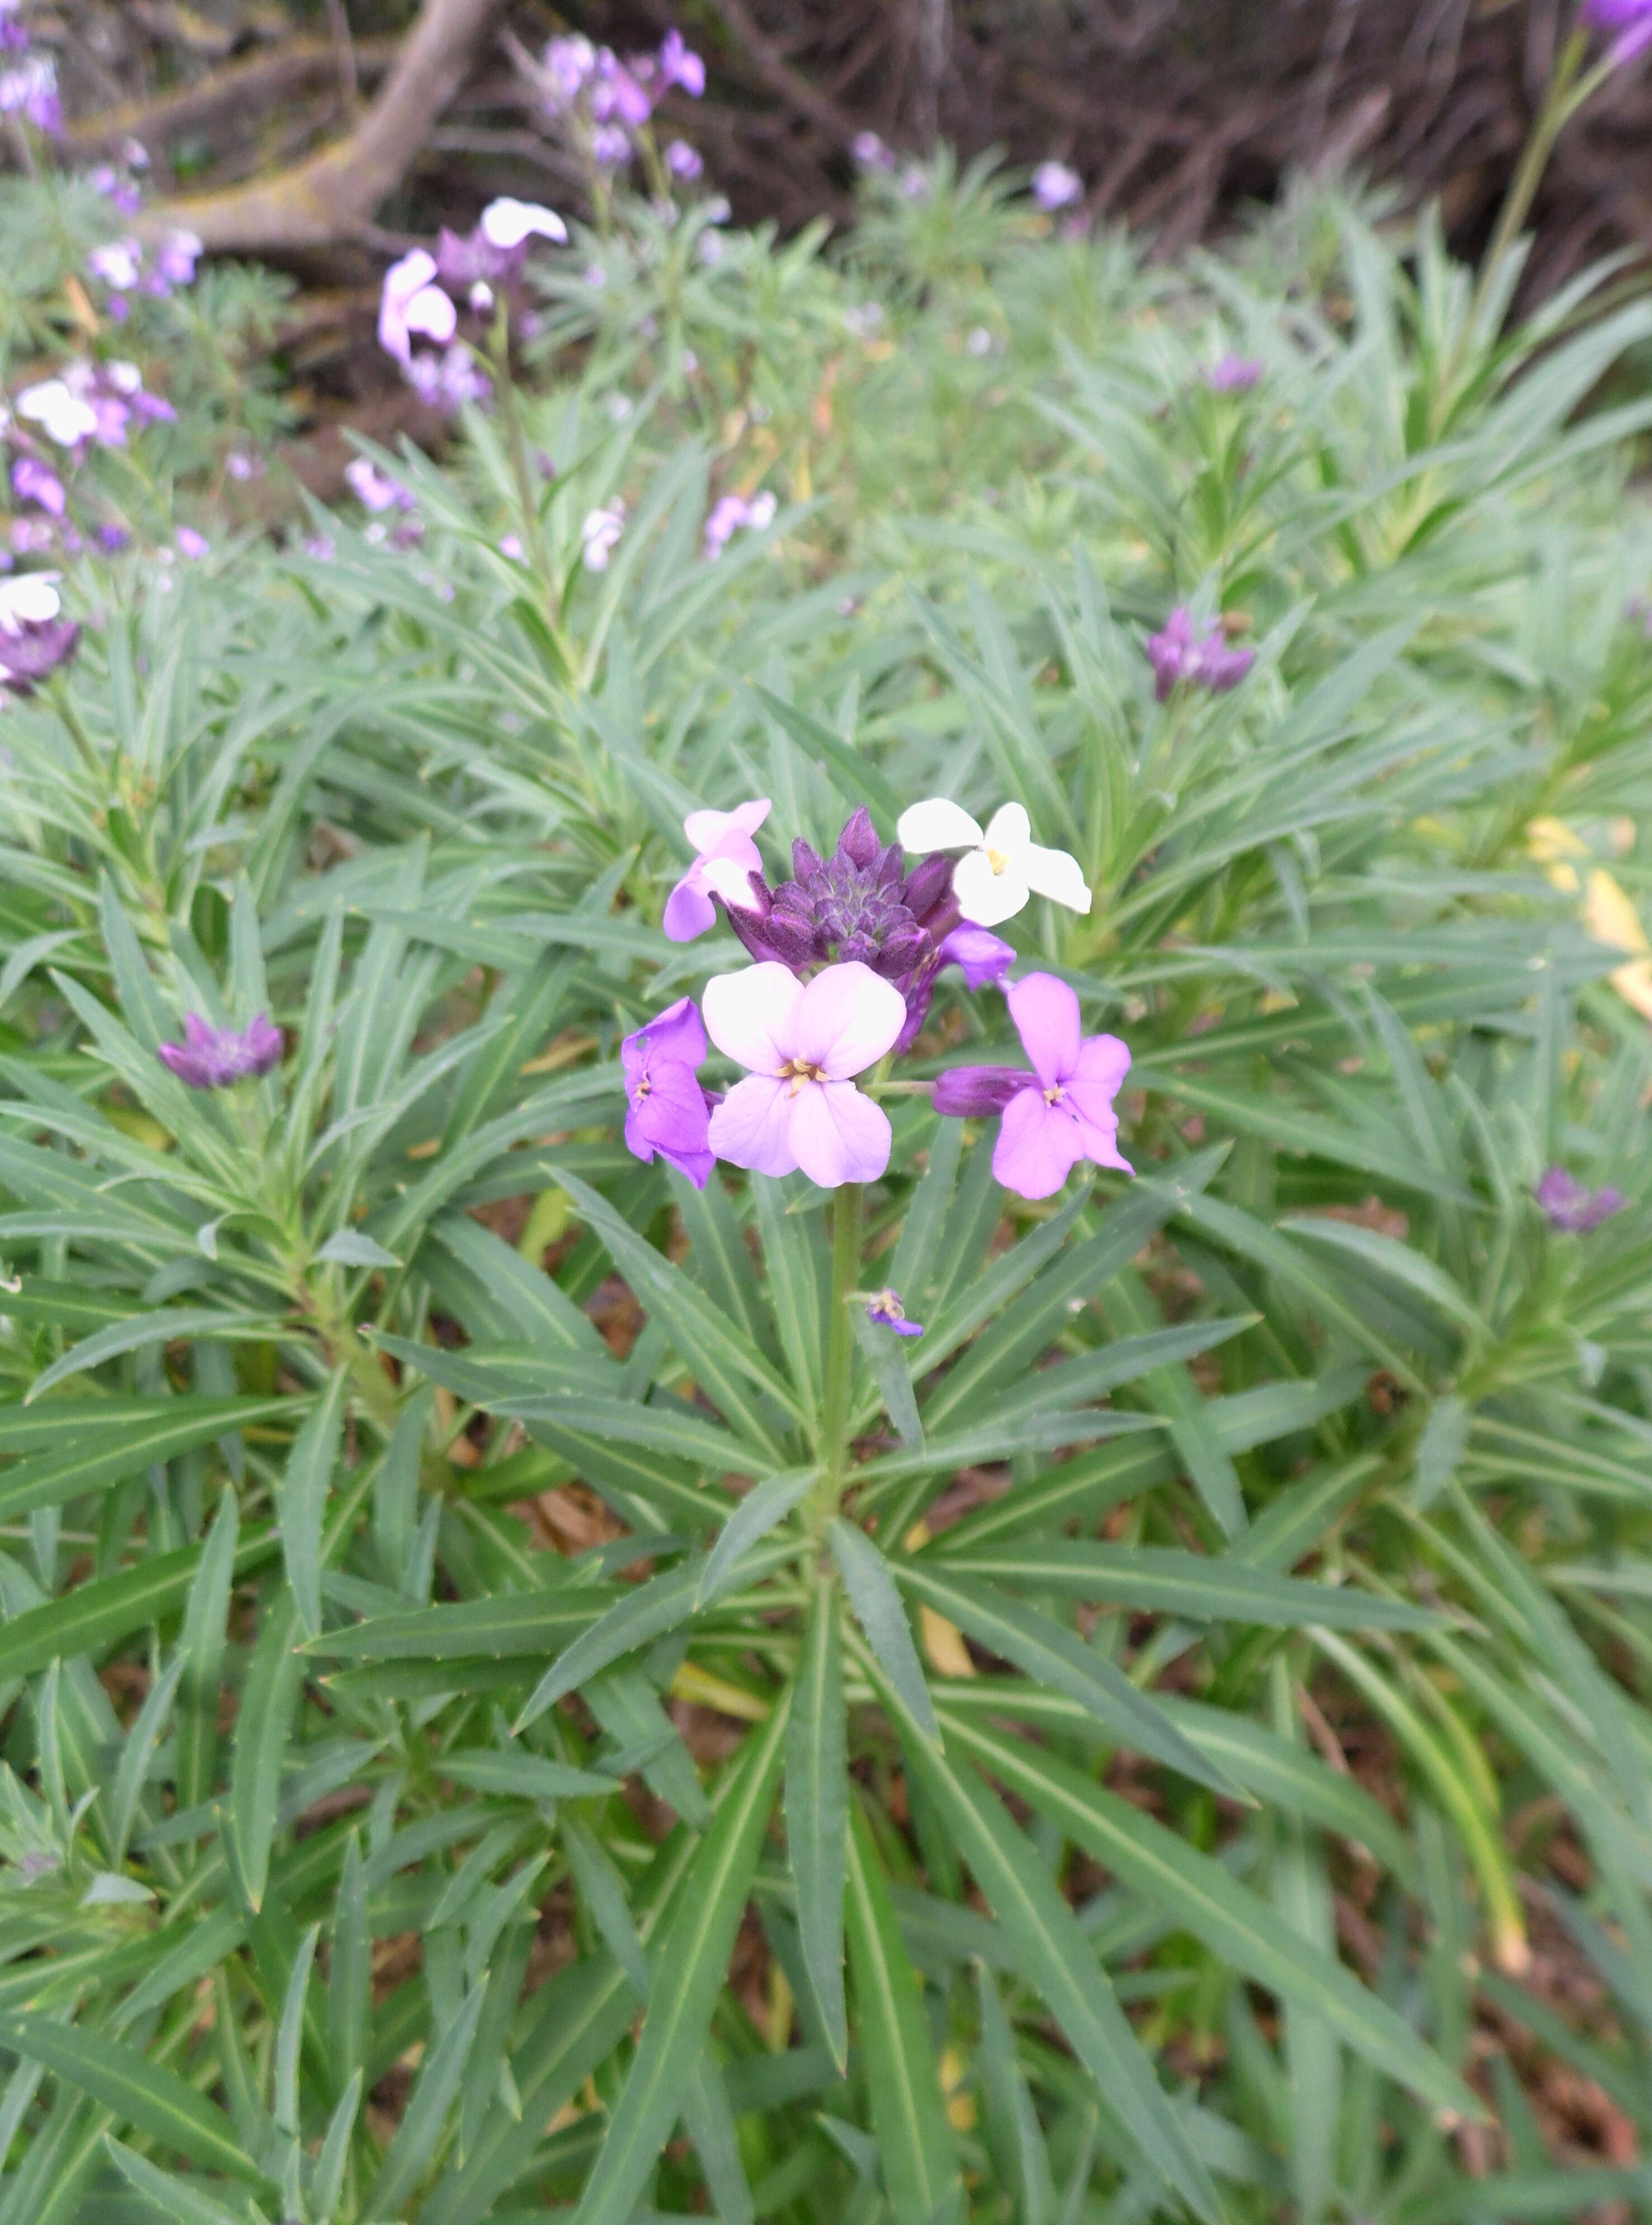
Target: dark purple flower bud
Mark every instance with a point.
(666, 1109)
(464, 260)
(1571, 1207)
(217, 1058)
(884, 1306)
(858, 841)
(976, 1093)
(929, 890)
(1179, 654)
(112, 539)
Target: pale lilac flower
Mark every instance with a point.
(376, 490)
(681, 65)
(30, 91)
(665, 1109)
(609, 147)
(242, 466)
(1569, 1205)
(31, 536)
(884, 1306)
(153, 409)
(511, 546)
(507, 223)
(1056, 186)
(1179, 654)
(725, 859)
(62, 414)
(683, 161)
(738, 513)
(117, 262)
(176, 257)
(191, 546)
(215, 1058)
(112, 539)
(1061, 1112)
(411, 303)
(33, 481)
(869, 151)
(123, 192)
(798, 1105)
(569, 64)
(1002, 867)
(450, 380)
(1630, 19)
(13, 34)
(617, 94)
(318, 546)
(1233, 374)
(600, 535)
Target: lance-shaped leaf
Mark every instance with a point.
(880, 1614)
(817, 1811)
(302, 1497)
(134, 2091)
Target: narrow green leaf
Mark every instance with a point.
(201, 1642)
(302, 1497)
(179, 2201)
(269, 1702)
(136, 2092)
(880, 1614)
(761, 1509)
(172, 1324)
(107, 1444)
(817, 1811)
(425, 2119)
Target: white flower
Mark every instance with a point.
(1000, 868)
(507, 223)
(29, 599)
(61, 414)
(600, 533)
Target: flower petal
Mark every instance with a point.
(727, 872)
(985, 958)
(1045, 1014)
(706, 829)
(1008, 829)
(1036, 1147)
(431, 312)
(752, 1016)
(689, 911)
(839, 1135)
(752, 1126)
(984, 896)
(848, 1018)
(1055, 874)
(937, 825)
(975, 1092)
(675, 1036)
(1102, 1063)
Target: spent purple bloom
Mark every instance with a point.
(1180, 654)
(1061, 1112)
(32, 649)
(666, 1111)
(870, 152)
(1564, 1199)
(33, 481)
(14, 33)
(884, 1306)
(1233, 374)
(216, 1058)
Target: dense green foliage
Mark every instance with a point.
(1316, 1427)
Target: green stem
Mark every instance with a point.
(841, 1343)
(1565, 95)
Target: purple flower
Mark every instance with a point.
(736, 513)
(859, 906)
(117, 262)
(215, 1058)
(35, 636)
(885, 1308)
(1562, 1196)
(112, 539)
(870, 152)
(681, 65)
(33, 481)
(411, 303)
(1061, 1112)
(726, 857)
(985, 958)
(1630, 19)
(319, 547)
(684, 161)
(176, 257)
(1233, 374)
(609, 147)
(30, 91)
(665, 1109)
(1178, 653)
(569, 66)
(13, 34)
(376, 490)
(798, 1105)
(1056, 186)
(448, 381)
(617, 95)
(191, 546)
(600, 535)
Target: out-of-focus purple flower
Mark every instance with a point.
(114, 187)
(117, 262)
(176, 257)
(725, 859)
(27, 653)
(1562, 1197)
(318, 546)
(14, 33)
(242, 467)
(215, 1058)
(448, 381)
(569, 66)
(684, 161)
(884, 1306)
(1179, 654)
(1061, 1112)
(191, 546)
(1233, 374)
(411, 303)
(666, 1111)
(112, 416)
(871, 153)
(984, 959)
(1056, 186)
(681, 65)
(738, 513)
(599, 535)
(511, 546)
(802, 1046)
(31, 536)
(153, 409)
(376, 490)
(30, 91)
(1630, 19)
(112, 539)
(617, 94)
(33, 481)
(610, 146)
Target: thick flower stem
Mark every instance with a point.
(841, 1343)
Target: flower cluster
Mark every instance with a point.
(1180, 653)
(28, 79)
(56, 424)
(418, 300)
(738, 513)
(847, 952)
(605, 102)
(35, 636)
(125, 267)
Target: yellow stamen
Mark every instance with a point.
(998, 860)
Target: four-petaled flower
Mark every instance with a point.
(215, 1058)
(727, 857)
(665, 1109)
(1000, 868)
(803, 1045)
(33, 481)
(412, 303)
(1571, 1207)
(599, 535)
(884, 1306)
(1061, 1112)
(1180, 654)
